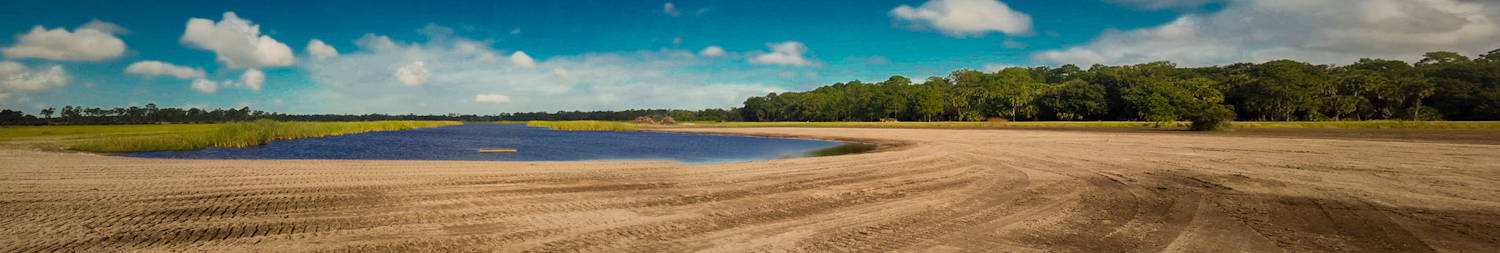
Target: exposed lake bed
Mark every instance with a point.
(465, 143)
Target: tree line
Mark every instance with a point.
(1442, 86)
(151, 114)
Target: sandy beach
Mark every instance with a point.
(925, 190)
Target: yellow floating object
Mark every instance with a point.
(497, 150)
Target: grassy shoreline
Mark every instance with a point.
(587, 125)
(240, 134)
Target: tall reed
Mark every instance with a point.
(243, 134)
(586, 125)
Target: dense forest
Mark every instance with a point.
(1443, 86)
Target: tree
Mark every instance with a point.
(8, 116)
(1075, 100)
(1339, 106)
(1284, 90)
(928, 103)
(152, 112)
(1492, 57)
(1441, 57)
(1015, 89)
(1210, 117)
(47, 113)
(1159, 110)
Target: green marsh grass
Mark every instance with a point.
(241, 134)
(586, 125)
(37, 131)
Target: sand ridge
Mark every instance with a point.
(929, 190)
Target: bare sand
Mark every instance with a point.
(927, 190)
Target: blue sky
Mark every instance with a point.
(415, 57)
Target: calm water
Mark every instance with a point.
(462, 142)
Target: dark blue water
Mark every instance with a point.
(462, 142)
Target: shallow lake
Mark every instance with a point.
(463, 142)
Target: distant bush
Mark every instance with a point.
(1160, 110)
(1211, 117)
(667, 120)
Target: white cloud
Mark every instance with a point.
(481, 51)
(94, 41)
(712, 51)
(516, 31)
(10, 68)
(16, 78)
(677, 41)
(491, 99)
(670, 9)
(414, 74)
(785, 53)
(205, 86)
(104, 27)
(562, 74)
(376, 43)
(1263, 30)
(321, 50)
(963, 18)
(360, 82)
(252, 79)
(157, 68)
(520, 59)
(237, 43)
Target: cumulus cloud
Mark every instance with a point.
(104, 27)
(205, 86)
(516, 31)
(414, 74)
(480, 51)
(252, 79)
(520, 59)
(94, 41)
(677, 41)
(964, 18)
(562, 74)
(16, 78)
(237, 43)
(712, 51)
(376, 43)
(361, 82)
(321, 50)
(785, 53)
(491, 99)
(1263, 30)
(670, 9)
(157, 68)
